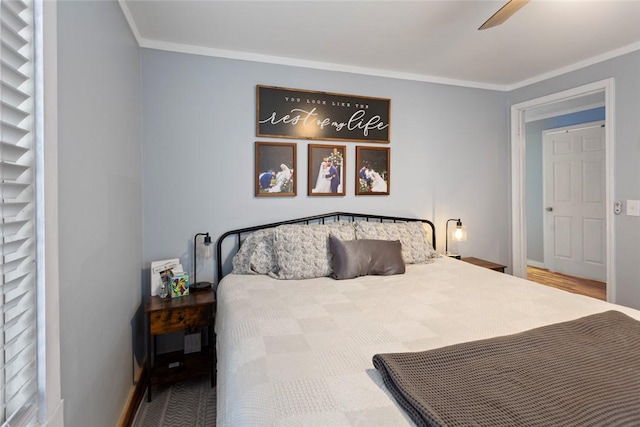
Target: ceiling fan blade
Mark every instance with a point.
(504, 13)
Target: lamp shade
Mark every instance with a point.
(207, 254)
(208, 248)
(457, 234)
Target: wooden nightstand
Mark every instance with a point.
(164, 315)
(486, 264)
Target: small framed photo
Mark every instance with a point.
(275, 173)
(373, 176)
(326, 170)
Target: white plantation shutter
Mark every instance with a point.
(18, 369)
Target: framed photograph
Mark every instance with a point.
(275, 174)
(372, 166)
(326, 170)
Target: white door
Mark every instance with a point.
(574, 196)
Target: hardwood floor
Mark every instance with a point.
(577, 285)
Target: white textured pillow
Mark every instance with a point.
(302, 251)
(255, 256)
(416, 248)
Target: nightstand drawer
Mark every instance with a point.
(179, 319)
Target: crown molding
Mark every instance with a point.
(293, 62)
(577, 65)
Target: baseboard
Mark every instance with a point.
(56, 418)
(135, 397)
(536, 264)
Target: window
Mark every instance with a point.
(18, 358)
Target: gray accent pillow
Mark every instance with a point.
(365, 257)
(416, 249)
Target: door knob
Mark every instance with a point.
(549, 209)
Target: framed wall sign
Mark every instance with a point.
(304, 114)
(275, 172)
(373, 176)
(326, 170)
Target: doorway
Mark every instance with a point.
(574, 205)
(518, 168)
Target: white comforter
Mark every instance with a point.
(299, 352)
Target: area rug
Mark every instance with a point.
(189, 403)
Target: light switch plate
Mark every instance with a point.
(633, 207)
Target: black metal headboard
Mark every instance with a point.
(316, 219)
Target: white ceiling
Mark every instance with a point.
(419, 40)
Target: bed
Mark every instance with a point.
(298, 350)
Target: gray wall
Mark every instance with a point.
(449, 154)
(100, 209)
(626, 71)
(534, 176)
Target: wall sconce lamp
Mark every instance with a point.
(200, 286)
(458, 234)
